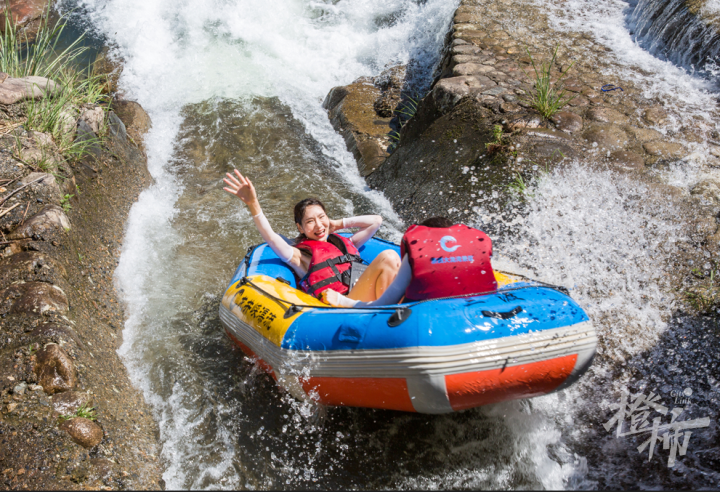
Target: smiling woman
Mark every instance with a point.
(320, 258)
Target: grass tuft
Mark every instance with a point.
(84, 411)
(547, 98)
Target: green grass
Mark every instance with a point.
(404, 111)
(65, 202)
(497, 144)
(57, 112)
(19, 57)
(84, 412)
(518, 185)
(547, 97)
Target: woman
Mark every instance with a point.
(322, 259)
(439, 260)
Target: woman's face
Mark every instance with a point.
(315, 224)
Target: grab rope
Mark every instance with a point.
(402, 312)
(611, 87)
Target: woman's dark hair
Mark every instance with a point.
(302, 205)
(441, 222)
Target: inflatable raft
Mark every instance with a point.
(438, 356)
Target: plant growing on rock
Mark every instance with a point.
(497, 144)
(84, 412)
(65, 202)
(546, 97)
(404, 112)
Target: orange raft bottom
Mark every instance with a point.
(464, 390)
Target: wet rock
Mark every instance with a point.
(30, 266)
(567, 122)
(607, 115)
(68, 402)
(94, 117)
(33, 298)
(55, 370)
(23, 12)
(46, 224)
(83, 431)
(15, 90)
(627, 161)
(447, 93)
(665, 149)
(136, 120)
(354, 117)
(524, 121)
(655, 115)
(62, 335)
(607, 136)
(708, 189)
(644, 134)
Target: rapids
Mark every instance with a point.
(239, 83)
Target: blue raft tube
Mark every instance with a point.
(439, 356)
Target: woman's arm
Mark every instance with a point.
(243, 188)
(392, 295)
(368, 224)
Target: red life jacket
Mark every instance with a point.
(448, 261)
(330, 264)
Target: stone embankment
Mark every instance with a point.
(69, 417)
(449, 162)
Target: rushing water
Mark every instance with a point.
(239, 83)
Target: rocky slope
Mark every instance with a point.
(61, 225)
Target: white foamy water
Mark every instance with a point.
(178, 55)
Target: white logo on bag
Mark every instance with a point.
(447, 239)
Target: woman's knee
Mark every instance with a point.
(390, 259)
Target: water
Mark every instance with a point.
(239, 83)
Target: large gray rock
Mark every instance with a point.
(46, 223)
(47, 187)
(15, 90)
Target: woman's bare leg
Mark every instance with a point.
(378, 276)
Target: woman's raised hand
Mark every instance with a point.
(241, 187)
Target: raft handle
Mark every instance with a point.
(499, 315)
(399, 316)
(292, 311)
